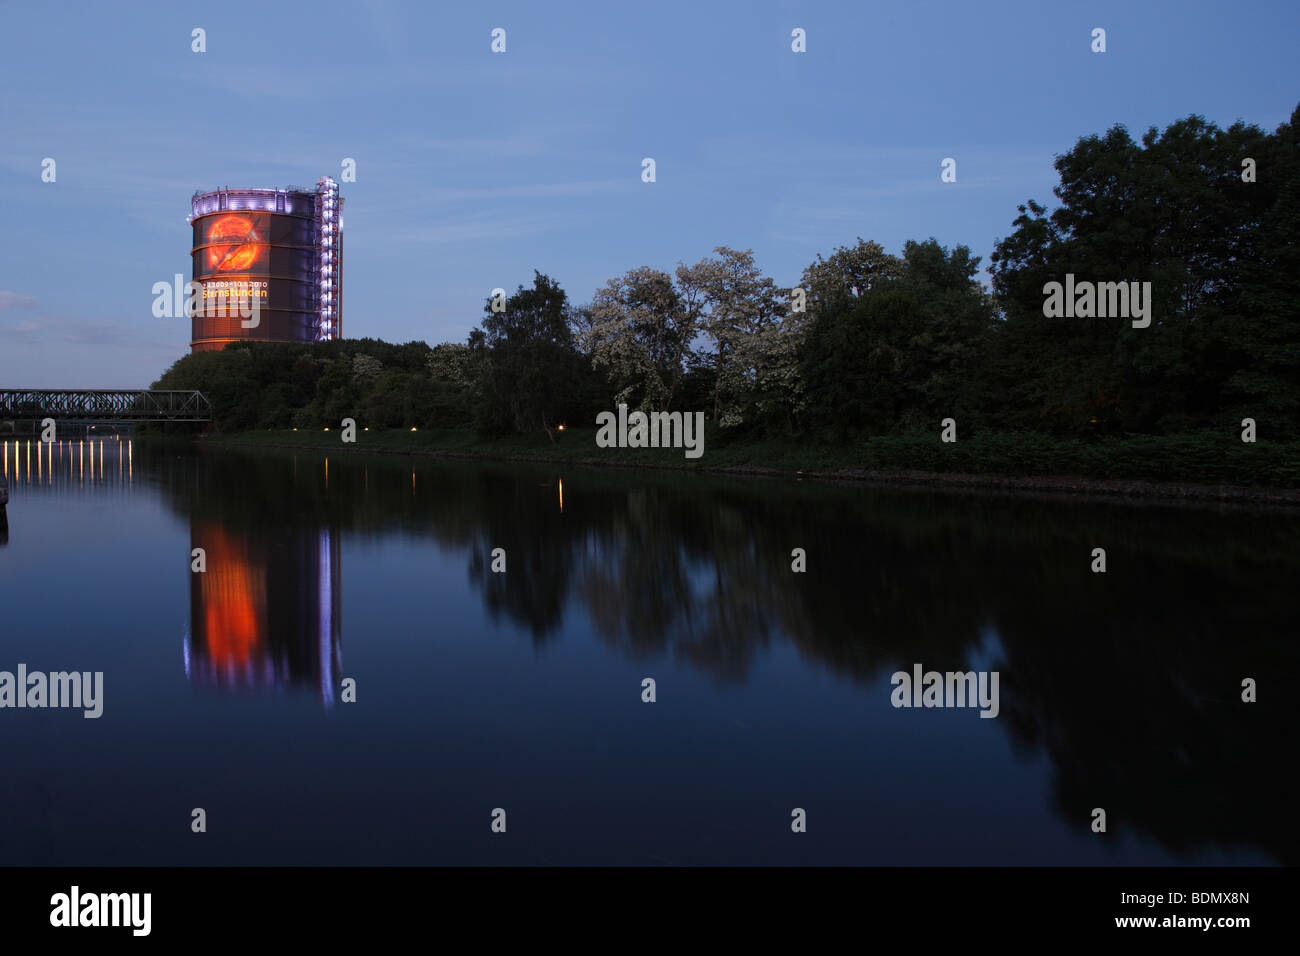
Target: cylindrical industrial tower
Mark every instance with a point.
(281, 249)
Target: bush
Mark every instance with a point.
(1201, 458)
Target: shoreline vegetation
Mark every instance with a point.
(1141, 339)
(1140, 467)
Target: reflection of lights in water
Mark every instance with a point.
(325, 598)
(51, 458)
(561, 496)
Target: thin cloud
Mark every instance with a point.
(481, 228)
(49, 327)
(13, 300)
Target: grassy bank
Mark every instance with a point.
(1182, 466)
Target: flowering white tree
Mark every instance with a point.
(449, 362)
(365, 367)
(721, 314)
(753, 338)
(641, 332)
(854, 270)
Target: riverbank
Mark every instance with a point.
(1180, 468)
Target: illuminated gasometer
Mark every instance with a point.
(280, 250)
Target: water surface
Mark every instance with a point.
(523, 691)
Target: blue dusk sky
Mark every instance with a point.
(475, 168)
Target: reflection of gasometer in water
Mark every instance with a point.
(266, 614)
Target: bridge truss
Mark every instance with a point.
(104, 405)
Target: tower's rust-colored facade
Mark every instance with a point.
(282, 248)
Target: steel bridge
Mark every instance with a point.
(104, 405)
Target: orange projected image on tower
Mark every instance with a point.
(238, 243)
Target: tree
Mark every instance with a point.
(1265, 325)
(949, 349)
(640, 333)
(1171, 210)
(742, 317)
(448, 363)
(365, 368)
(894, 343)
(855, 362)
(852, 271)
(523, 360)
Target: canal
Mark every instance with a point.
(525, 690)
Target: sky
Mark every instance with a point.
(474, 168)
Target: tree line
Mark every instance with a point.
(873, 343)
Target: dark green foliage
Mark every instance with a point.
(526, 371)
(520, 371)
(902, 356)
(282, 385)
(1204, 458)
(1221, 256)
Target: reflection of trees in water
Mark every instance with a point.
(671, 575)
(1135, 695)
(513, 514)
(1129, 681)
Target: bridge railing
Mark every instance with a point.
(105, 405)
